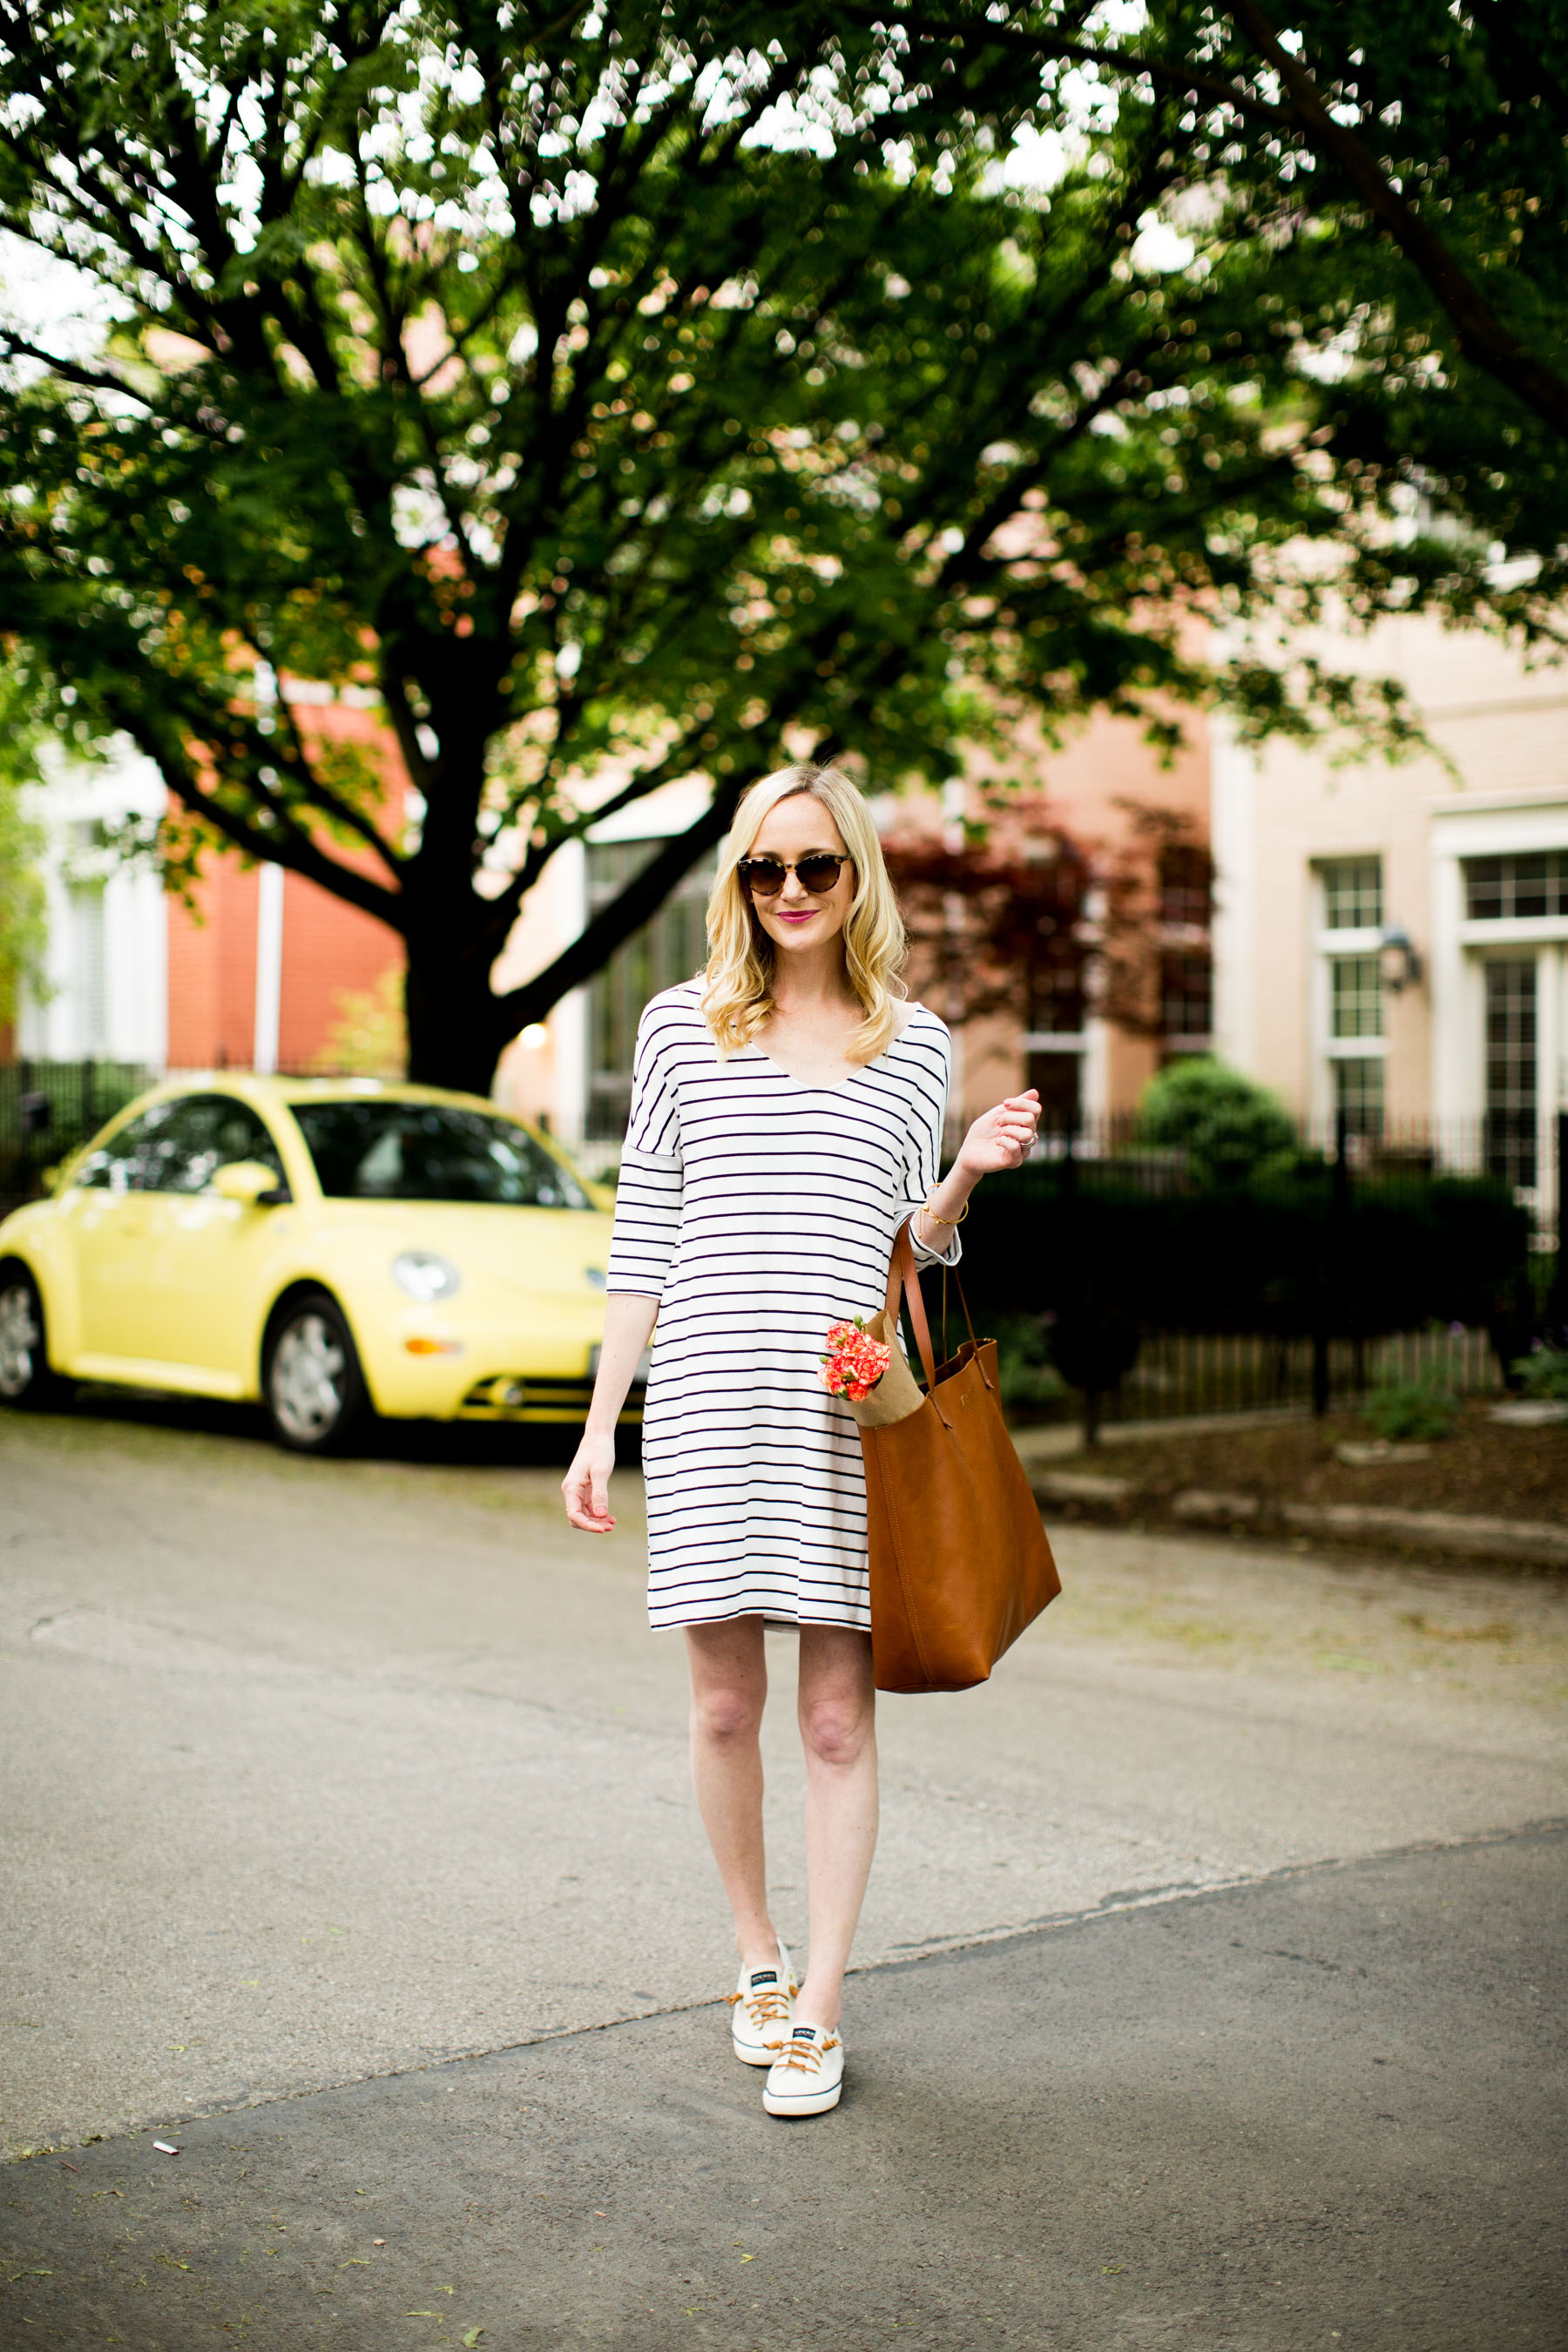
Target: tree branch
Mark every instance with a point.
(637, 903)
(1483, 338)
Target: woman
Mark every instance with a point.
(786, 1119)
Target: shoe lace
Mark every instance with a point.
(805, 2056)
(765, 2005)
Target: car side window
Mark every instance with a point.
(206, 1133)
(119, 1165)
(179, 1146)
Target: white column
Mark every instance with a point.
(1459, 1089)
(269, 968)
(1233, 778)
(569, 1021)
(1549, 1054)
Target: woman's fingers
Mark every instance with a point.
(588, 1495)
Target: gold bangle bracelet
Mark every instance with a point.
(939, 1220)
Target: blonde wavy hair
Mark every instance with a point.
(738, 980)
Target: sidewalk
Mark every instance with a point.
(1323, 2109)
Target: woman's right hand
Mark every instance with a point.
(586, 1484)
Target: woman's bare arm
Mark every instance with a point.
(629, 1319)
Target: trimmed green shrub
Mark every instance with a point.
(1226, 1130)
(1279, 1256)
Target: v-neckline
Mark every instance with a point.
(804, 1086)
(857, 1070)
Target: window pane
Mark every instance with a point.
(1185, 877)
(1357, 1007)
(430, 1151)
(1516, 888)
(1057, 1079)
(1055, 1000)
(1358, 1094)
(1352, 894)
(1511, 1070)
(1186, 995)
(118, 1165)
(200, 1135)
(670, 949)
(89, 985)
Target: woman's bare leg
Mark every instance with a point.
(837, 1729)
(728, 1687)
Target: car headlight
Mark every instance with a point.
(424, 1275)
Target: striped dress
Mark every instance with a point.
(758, 1211)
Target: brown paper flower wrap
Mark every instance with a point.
(895, 1395)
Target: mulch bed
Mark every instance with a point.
(1484, 1466)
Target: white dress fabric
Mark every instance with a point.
(758, 1211)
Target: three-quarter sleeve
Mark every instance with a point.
(648, 1195)
(922, 1153)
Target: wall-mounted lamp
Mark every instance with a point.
(1401, 963)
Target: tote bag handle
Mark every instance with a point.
(903, 1275)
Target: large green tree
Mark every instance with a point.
(1405, 162)
(612, 391)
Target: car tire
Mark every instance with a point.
(26, 1382)
(311, 1379)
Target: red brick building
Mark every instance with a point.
(263, 973)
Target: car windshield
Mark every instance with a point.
(431, 1151)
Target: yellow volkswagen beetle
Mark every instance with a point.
(334, 1248)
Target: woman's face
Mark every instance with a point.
(794, 917)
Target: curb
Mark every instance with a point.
(1540, 1542)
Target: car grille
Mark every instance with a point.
(507, 1396)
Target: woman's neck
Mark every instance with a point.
(812, 981)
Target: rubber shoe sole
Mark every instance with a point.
(817, 2102)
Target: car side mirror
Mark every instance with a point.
(250, 1182)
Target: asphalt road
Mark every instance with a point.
(350, 1800)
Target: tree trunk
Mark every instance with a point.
(454, 1033)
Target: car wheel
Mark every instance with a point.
(26, 1379)
(314, 1389)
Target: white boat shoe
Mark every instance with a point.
(762, 2012)
(807, 2076)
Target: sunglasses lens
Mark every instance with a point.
(818, 874)
(765, 876)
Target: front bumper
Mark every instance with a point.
(507, 1396)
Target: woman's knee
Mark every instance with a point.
(726, 1713)
(836, 1729)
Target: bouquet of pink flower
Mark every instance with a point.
(855, 1362)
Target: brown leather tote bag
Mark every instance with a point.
(960, 1562)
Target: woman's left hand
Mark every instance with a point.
(1002, 1138)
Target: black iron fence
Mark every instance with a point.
(1128, 1282)
(48, 1110)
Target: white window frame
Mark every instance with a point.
(1461, 948)
(1328, 947)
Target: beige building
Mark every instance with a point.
(1390, 941)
